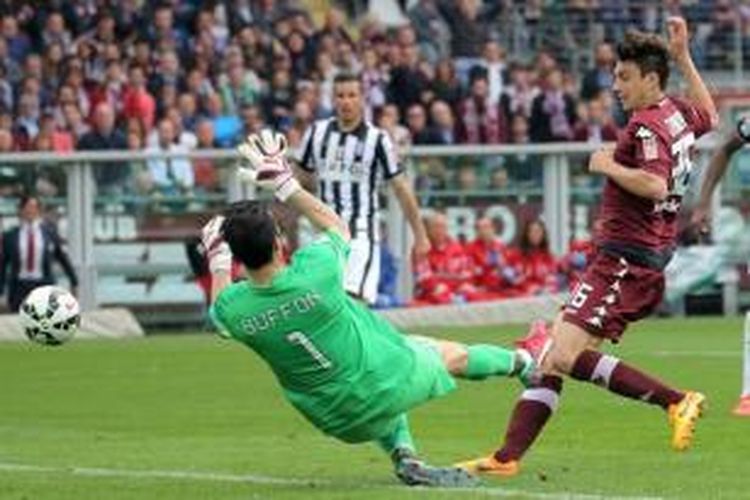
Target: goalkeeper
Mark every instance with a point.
(347, 370)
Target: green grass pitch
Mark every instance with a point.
(175, 417)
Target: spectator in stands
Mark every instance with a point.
(374, 82)
(110, 176)
(138, 102)
(29, 250)
(112, 89)
(60, 141)
(496, 267)
(467, 179)
(600, 77)
(389, 121)
(480, 121)
(252, 123)
(205, 170)
(239, 87)
(407, 80)
(468, 22)
(75, 79)
(523, 167)
(494, 67)
(183, 137)
(597, 124)
(188, 108)
(168, 72)
(445, 275)
(446, 85)
(226, 127)
(553, 112)
(300, 53)
(278, 101)
(27, 123)
(162, 34)
(444, 123)
(416, 121)
(54, 32)
(74, 123)
(198, 84)
(431, 30)
(517, 98)
(170, 176)
(539, 269)
(19, 43)
(52, 66)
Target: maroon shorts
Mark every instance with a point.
(611, 293)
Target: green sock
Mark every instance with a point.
(488, 360)
(399, 438)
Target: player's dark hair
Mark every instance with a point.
(648, 51)
(347, 77)
(250, 231)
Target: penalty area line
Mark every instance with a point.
(188, 475)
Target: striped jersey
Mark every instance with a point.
(349, 166)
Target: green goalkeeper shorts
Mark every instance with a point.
(429, 379)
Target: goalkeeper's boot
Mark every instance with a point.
(414, 472)
(682, 418)
(491, 466)
(743, 407)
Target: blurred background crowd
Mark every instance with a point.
(171, 75)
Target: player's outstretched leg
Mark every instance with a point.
(481, 361)
(412, 471)
(534, 408)
(683, 408)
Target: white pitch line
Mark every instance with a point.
(257, 479)
(159, 474)
(694, 354)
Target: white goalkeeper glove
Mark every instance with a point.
(268, 168)
(216, 249)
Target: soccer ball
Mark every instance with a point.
(50, 315)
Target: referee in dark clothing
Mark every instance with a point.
(28, 251)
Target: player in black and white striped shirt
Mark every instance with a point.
(346, 158)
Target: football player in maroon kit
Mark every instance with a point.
(647, 175)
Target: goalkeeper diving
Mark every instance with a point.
(345, 368)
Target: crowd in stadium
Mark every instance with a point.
(98, 75)
(184, 75)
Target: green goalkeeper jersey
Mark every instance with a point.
(338, 363)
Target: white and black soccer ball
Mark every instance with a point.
(50, 315)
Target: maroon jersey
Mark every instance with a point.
(658, 139)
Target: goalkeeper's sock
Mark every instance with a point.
(486, 360)
(620, 378)
(398, 443)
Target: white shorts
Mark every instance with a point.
(363, 269)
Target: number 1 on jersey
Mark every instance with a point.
(300, 339)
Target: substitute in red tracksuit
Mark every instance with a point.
(539, 268)
(445, 275)
(496, 270)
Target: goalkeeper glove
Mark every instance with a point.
(268, 168)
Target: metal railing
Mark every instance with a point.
(561, 167)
